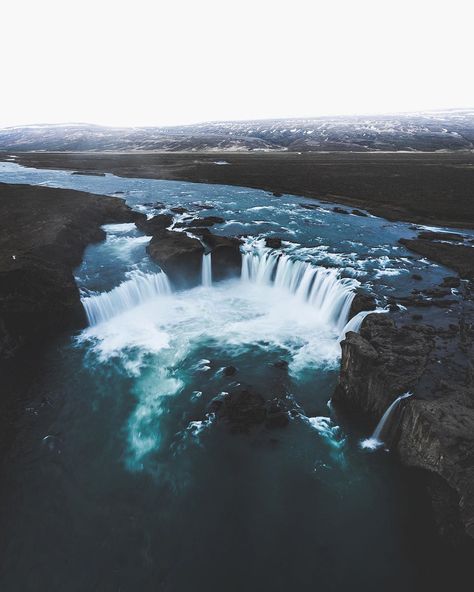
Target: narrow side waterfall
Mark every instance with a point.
(375, 441)
(355, 323)
(207, 270)
(140, 288)
(318, 286)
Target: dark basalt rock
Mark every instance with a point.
(434, 430)
(416, 276)
(245, 409)
(226, 257)
(362, 302)
(157, 205)
(207, 221)
(44, 234)
(458, 257)
(242, 409)
(310, 206)
(339, 210)
(179, 255)
(359, 213)
(155, 224)
(277, 194)
(273, 242)
(445, 236)
(178, 210)
(198, 231)
(451, 282)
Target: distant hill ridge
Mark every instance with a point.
(442, 130)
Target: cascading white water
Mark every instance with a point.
(207, 270)
(318, 286)
(140, 288)
(375, 440)
(355, 323)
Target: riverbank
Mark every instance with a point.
(44, 234)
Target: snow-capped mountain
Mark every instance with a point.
(449, 130)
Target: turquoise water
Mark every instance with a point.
(121, 479)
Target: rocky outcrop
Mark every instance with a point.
(444, 236)
(362, 302)
(43, 236)
(179, 255)
(156, 224)
(273, 242)
(226, 256)
(434, 429)
(244, 409)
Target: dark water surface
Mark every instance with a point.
(118, 479)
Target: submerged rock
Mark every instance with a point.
(244, 409)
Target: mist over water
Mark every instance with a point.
(123, 479)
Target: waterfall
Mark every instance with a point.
(355, 323)
(140, 288)
(318, 286)
(375, 440)
(207, 270)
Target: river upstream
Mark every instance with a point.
(121, 478)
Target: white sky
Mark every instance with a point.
(175, 61)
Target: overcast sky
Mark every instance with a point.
(150, 62)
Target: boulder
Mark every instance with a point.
(244, 409)
(207, 221)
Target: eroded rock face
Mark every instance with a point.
(44, 233)
(179, 255)
(433, 430)
(226, 256)
(371, 374)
